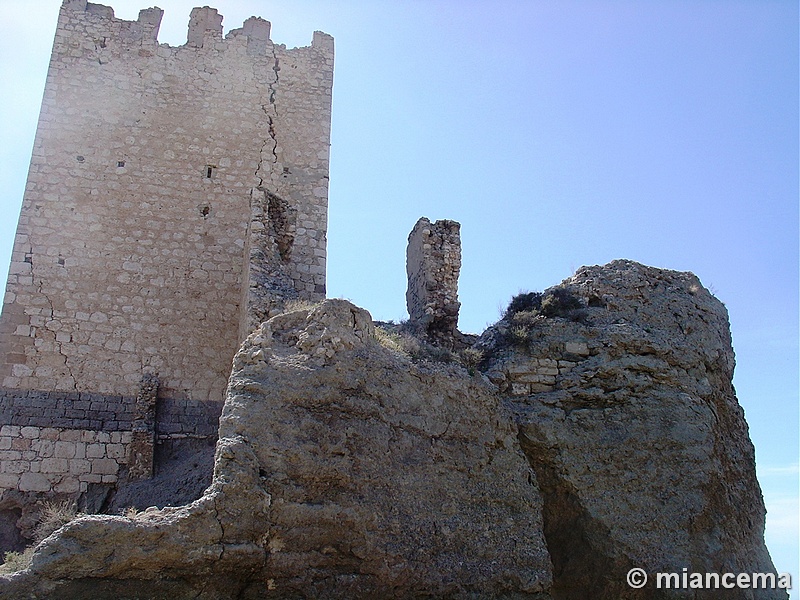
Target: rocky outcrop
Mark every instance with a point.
(621, 383)
(343, 470)
(605, 434)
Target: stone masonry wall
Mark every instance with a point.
(62, 461)
(134, 240)
(56, 442)
(525, 375)
(433, 263)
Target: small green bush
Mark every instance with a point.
(299, 304)
(518, 336)
(16, 561)
(524, 302)
(559, 302)
(526, 309)
(52, 516)
(471, 358)
(399, 339)
(525, 318)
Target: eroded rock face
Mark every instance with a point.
(628, 415)
(343, 471)
(605, 435)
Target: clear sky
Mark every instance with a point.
(560, 133)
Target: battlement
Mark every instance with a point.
(205, 27)
(176, 197)
(145, 28)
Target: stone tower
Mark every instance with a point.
(176, 197)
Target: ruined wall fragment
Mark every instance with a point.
(433, 263)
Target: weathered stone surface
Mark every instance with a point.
(343, 471)
(207, 154)
(142, 447)
(433, 263)
(640, 447)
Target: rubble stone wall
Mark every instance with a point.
(433, 263)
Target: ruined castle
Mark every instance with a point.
(176, 200)
(177, 196)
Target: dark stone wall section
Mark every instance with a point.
(189, 418)
(99, 412)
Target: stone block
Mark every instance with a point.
(55, 465)
(115, 451)
(79, 466)
(34, 482)
(528, 378)
(68, 485)
(22, 444)
(579, 348)
(7, 456)
(65, 450)
(9, 481)
(547, 371)
(105, 466)
(95, 451)
(538, 388)
(30, 432)
(520, 389)
(43, 448)
(50, 433)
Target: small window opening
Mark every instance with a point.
(120, 163)
(209, 172)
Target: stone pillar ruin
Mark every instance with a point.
(141, 452)
(433, 263)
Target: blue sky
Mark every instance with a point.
(560, 134)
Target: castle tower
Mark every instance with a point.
(176, 196)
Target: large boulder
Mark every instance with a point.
(621, 382)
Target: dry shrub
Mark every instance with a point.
(53, 516)
(16, 561)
